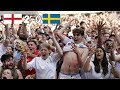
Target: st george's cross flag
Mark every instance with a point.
(12, 18)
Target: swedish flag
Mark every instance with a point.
(51, 18)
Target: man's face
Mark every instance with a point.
(106, 36)
(77, 37)
(9, 63)
(108, 46)
(32, 46)
(93, 35)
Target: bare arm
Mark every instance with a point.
(7, 33)
(77, 51)
(19, 74)
(117, 36)
(87, 66)
(114, 57)
(60, 32)
(13, 31)
(56, 44)
(85, 54)
(24, 57)
(99, 28)
(114, 71)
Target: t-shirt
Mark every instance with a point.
(95, 75)
(30, 72)
(68, 46)
(45, 69)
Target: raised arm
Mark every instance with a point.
(13, 31)
(117, 36)
(85, 54)
(56, 43)
(114, 71)
(78, 52)
(60, 32)
(24, 57)
(114, 57)
(7, 33)
(87, 66)
(100, 28)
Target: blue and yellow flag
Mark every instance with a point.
(51, 18)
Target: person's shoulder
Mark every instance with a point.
(37, 58)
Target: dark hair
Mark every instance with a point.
(108, 40)
(93, 31)
(79, 31)
(82, 22)
(112, 35)
(35, 42)
(11, 47)
(5, 57)
(23, 37)
(32, 40)
(104, 63)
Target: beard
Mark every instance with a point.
(11, 66)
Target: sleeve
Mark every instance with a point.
(32, 63)
(66, 40)
(55, 57)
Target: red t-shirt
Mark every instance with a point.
(30, 72)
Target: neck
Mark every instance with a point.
(77, 42)
(100, 61)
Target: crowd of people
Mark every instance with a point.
(82, 46)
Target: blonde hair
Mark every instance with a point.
(45, 44)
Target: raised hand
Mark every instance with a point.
(100, 24)
(75, 48)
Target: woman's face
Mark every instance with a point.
(99, 54)
(7, 74)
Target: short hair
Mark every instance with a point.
(5, 57)
(94, 31)
(79, 31)
(45, 44)
(11, 47)
(82, 22)
(112, 35)
(33, 40)
(108, 40)
(106, 33)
